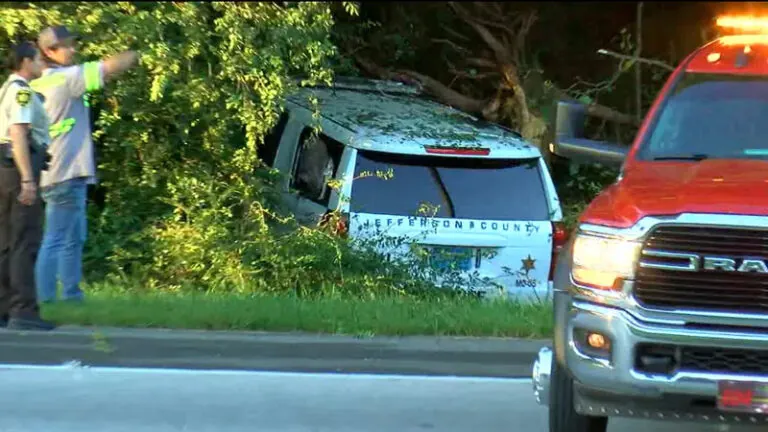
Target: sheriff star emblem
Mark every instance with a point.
(23, 97)
(528, 264)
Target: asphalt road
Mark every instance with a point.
(189, 349)
(72, 399)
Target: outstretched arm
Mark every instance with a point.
(92, 76)
(119, 63)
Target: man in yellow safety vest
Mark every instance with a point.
(65, 86)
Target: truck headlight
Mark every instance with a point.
(602, 262)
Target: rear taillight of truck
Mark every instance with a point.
(559, 238)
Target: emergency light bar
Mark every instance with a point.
(744, 23)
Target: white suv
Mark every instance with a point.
(409, 167)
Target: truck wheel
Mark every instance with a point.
(562, 414)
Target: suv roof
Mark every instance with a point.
(393, 117)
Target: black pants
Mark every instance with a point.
(20, 236)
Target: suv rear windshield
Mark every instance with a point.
(712, 116)
(450, 187)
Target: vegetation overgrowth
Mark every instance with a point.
(184, 204)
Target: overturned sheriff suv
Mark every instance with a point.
(661, 293)
(475, 196)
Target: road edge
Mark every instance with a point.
(421, 342)
(271, 351)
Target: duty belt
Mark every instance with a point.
(6, 156)
(6, 149)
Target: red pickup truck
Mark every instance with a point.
(661, 293)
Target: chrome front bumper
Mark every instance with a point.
(619, 376)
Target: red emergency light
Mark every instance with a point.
(458, 151)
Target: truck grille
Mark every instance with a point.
(704, 290)
(670, 359)
(718, 360)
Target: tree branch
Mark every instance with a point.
(442, 92)
(497, 25)
(500, 52)
(497, 11)
(481, 62)
(657, 63)
(446, 94)
(478, 76)
(375, 70)
(522, 33)
(452, 44)
(454, 33)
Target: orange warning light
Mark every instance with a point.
(744, 23)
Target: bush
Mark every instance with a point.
(578, 184)
(183, 201)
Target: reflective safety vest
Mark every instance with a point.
(91, 80)
(65, 90)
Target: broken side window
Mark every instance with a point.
(317, 162)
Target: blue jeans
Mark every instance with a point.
(61, 252)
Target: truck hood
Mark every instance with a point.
(670, 188)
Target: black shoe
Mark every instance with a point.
(30, 324)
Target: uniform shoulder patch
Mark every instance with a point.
(23, 97)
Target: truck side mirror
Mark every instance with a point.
(570, 144)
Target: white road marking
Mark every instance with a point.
(262, 373)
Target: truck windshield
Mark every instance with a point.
(711, 117)
(448, 187)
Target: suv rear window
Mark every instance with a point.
(464, 188)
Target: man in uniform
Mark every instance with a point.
(23, 142)
(65, 87)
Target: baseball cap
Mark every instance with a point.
(53, 36)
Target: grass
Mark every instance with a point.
(385, 316)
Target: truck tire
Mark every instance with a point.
(562, 414)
